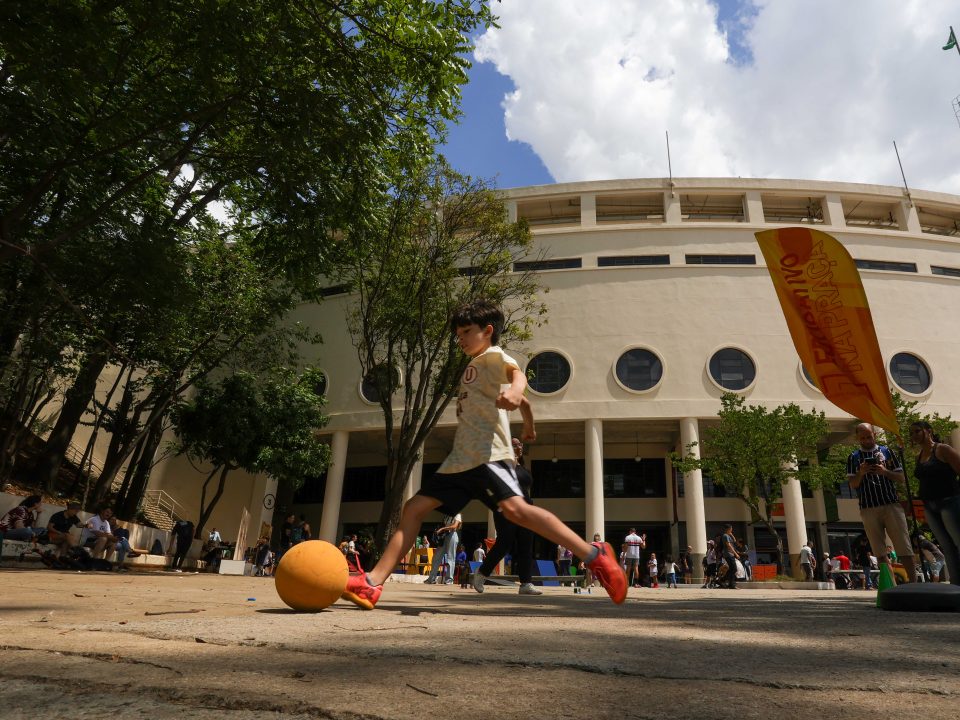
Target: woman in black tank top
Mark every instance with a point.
(937, 469)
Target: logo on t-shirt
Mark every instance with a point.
(470, 374)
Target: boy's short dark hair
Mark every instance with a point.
(481, 313)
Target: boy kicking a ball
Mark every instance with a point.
(481, 464)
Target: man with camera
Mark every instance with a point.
(872, 471)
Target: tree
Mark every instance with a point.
(753, 452)
(438, 240)
(112, 157)
(279, 108)
(261, 425)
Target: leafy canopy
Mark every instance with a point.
(260, 425)
(753, 451)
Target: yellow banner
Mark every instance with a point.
(826, 310)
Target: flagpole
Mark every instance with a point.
(914, 525)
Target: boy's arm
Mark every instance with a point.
(511, 398)
(529, 433)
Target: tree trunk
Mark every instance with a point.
(138, 485)
(122, 426)
(206, 512)
(47, 464)
(128, 476)
(764, 517)
(133, 435)
(776, 535)
(17, 412)
(87, 458)
(398, 473)
(17, 316)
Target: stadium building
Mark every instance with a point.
(658, 302)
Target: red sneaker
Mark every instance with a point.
(606, 569)
(360, 592)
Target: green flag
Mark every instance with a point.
(951, 41)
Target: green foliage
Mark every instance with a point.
(754, 451)
(172, 176)
(263, 425)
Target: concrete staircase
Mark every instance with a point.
(158, 518)
(160, 509)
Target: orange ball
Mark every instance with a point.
(311, 575)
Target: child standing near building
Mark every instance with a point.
(670, 572)
(481, 464)
(652, 570)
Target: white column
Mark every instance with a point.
(260, 514)
(753, 207)
(416, 477)
(907, 217)
(796, 523)
(588, 210)
(593, 494)
(832, 208)
(672, 212)
(330, 517)
(693, 498)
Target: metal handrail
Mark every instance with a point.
(75, 455)
(163, 502)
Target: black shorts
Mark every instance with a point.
(490, 484)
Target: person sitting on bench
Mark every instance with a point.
(59, 527)
(101, 540)
(20, 522)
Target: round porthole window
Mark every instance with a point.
(639, 369)
(807, 377)
(320, 386)
(910, 373)
(732, 369)
(548, 372)
(373, 380)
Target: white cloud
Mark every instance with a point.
(830, 86)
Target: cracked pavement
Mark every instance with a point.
(197, 646)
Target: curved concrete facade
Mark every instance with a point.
(673, 268)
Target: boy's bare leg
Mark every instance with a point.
(599, 557)
(545, 523)
(414, 511)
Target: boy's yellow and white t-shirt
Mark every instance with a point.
(483, 431)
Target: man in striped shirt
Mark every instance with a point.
(872, 471)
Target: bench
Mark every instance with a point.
(22, 550)
(26, 552)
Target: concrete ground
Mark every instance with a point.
(199, 646)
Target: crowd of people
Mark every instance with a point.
(86, 549)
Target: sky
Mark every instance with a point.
(571, 90)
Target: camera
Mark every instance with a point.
(871, 460)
